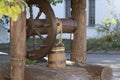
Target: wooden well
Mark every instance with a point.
(57, 58)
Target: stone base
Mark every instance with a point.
(71, 72)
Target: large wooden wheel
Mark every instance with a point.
(46, 41)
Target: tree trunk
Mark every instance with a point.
(78, 52)
(18, 47)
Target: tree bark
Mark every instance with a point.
(18, 47)
(78, 51)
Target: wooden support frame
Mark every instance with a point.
(78, 51)
(18, 47)
(18, 40)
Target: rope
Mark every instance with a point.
(59, 30)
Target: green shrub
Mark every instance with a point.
(103, 43)
(30, 62)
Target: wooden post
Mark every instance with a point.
(78, 52)
(18, 47)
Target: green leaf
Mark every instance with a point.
(54, 2)
(2, 4)
(1, 15)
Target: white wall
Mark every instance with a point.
(4, 36)
(117, 7)
(87, 9)
(59, 10)
(101, 12)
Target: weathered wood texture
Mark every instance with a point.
(48, 41)
(18, 47)
(76, 72)
(78, 51)
(57, 58)
(68, 25)
(98, 72)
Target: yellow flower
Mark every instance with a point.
(106, 21)
(113, 21)
(10, 0)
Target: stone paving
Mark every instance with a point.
(111, 60)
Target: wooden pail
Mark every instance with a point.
(57, 58)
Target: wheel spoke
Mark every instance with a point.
(43, 45)
(39, 14)
(34, 42)
(46, 25)
(31, 12)
(47, 41)
(41, 37)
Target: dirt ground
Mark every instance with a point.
(112, 60)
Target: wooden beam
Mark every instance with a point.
(78, 52)
(68, 25)
(18, 47)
